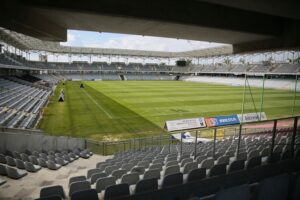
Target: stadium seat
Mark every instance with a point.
(146, 185)
(241, 192)
(172, 179)
(139, 170)
(103, 183)
(274, 157)
(33, 160)
(186, 160)
(196, 174)
(189, 167)
(207, 163)
(274, 188)
(10, 161)
(55, 190)
(2, 159)
(217, 170)
(79, 186)
(2, 181)
(171, 170)
(15, 173)
(90, 194)
(61, 161)
(236, 166)
(156, 166)
(116, 191)
(50, 198)
(31, 167)
(76, 179)
(20, 164)
(3, 170)
(42, 162)
(52, 165)
(253, 162)
(118, 173)
(130, 179)
(96, 176)
(152, 174)
(92, 171)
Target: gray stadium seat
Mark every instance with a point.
(241, 192)
(10, 161)
(218, 170)
(33, 160)
(223, 160)
(3, 170)
(236, 165)
(189, 167)
(172, 179)
(152, 174)
(118, 173)
(253, 162)
(130, 179)
(50, 198)
(274, 188)
(76, 179)
(127, 166)
(295, 190)
(93, 171)
(156, 166)
(61, 161)
(15, 173)
(109, 169)
(199, 159)
(42, 162)
(25, 157)
(172, 163)
(116, 191)
(207, 163)
(90, 194)
(2, 181)
(146, 185)
(171, 170)
(2, 159)
(52, 165)
(186, 160)
(139, 170)
(196, 174)
(274, 157)
(20, 164)
(103, 183)
(31, 167)
(55, 190)
(96, 176)
(79, 186)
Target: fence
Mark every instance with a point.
(269, 127)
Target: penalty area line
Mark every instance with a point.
(98, 105)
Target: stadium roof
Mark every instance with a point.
(27, 43)
(257, 25)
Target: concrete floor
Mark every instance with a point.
(29, 186)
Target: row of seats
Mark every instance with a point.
(34, 161)
(180, 164)
(20, 104)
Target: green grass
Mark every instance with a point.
(114, 110)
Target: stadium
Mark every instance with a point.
(149, 100)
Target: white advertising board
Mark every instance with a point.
(184, 124)
(252, 117)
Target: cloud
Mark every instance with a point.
(152, 44)
(134, 42)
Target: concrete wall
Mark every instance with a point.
(21, 141)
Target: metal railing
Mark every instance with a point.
(269, 127)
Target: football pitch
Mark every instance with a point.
(114, 110)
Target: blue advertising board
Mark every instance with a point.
(222, 120)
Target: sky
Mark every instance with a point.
(135, 42)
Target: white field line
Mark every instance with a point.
(98, 105)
